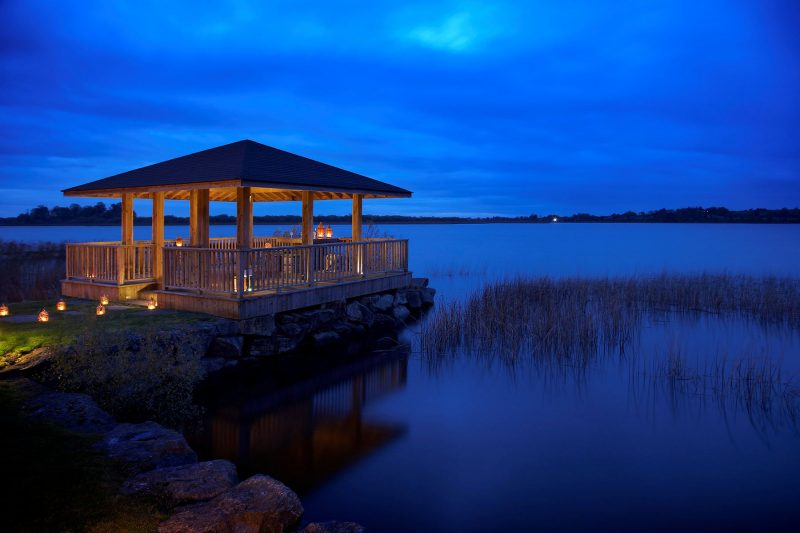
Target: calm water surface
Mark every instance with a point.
(399, 442)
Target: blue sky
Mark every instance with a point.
(504, 108)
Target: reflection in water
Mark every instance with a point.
(302, 420)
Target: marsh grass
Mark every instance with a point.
(30, 271)
(573, 318)
(564, 326)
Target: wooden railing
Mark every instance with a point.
(230, 243)
(231, 271)
(110, 262)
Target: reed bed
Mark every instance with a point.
(30, 271)
(574, 318)
(566, 325)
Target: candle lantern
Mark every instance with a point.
(100, 310)
(152, 303)
(61, 305)
(104, 299)
(3, 310)
(179, 242)
(320, 231)
(329, 232)
(43, 316)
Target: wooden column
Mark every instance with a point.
(358, 252)
(244, 217)
(308, 217)
(124, 256)
(127, 218)
(158, 240)
(198, 218)
(356, 218)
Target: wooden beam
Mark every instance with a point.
(244, 218)
(198, 218)
(127, 218)
(158, 239)
(356, 219)
(308, 217)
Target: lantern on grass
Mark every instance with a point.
(43, 316)
(61, 305)
(100, 310)
(320, 231)
(179, 242)
(104, 299)
(3, 310)
(152, 303)
(329, 232)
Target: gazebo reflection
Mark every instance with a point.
(306, 430)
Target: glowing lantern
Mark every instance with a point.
(43, 316)
(3, 310)
(104, 299)
(329, 231)
(100, 310)
(320, 231)
(179, 242)
(61, 305)
(152, 303)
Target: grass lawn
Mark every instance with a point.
(21, 337)
(56, 481)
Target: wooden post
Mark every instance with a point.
(127, 237)
(244, 218)
(127, 218)
(308, 217)
(308, 233)
(157, 267)
(358, 254)
(244, 236)
(198, 218)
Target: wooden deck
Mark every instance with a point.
(237, 283)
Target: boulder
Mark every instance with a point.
(326, 338)
(419, 283)
(401, 313)
(267, 346)
(400, 298)
(146, 446)
(413, 299)
(229, 347)
(76, 412)
(383, 323)
(320, 317)
(333, 527)
(259, 504)
(427, 295)
(296, 329)
(359, 313)
(260, 325)
(384, 303)
(178, 485)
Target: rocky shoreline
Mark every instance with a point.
(159, 464)
(230, 342)
(202, 496)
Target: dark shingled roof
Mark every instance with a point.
(253, 165)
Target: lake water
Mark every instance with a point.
(401, 442)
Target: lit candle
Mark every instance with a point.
(104, 299)
(43, 316)
(100, 310)
(3, 310)
(61, 305)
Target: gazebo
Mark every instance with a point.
(247, 275)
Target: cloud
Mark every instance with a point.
(505, 110)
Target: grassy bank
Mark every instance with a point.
(56, 481)
(137, 364)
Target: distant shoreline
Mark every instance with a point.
(101, 215)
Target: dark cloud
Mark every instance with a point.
(488, 110)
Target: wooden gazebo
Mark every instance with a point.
(247, 275)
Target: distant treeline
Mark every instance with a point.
(102, 215)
